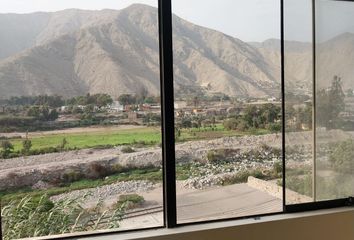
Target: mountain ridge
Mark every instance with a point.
(117, 52)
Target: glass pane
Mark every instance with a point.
(334, 99)
(319, 162)
(298, 100)
(227, 108)
(79, 117)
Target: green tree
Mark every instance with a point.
(127, 99)
(34, 111)
(7, 148)
(102, 100)
(330, 103)
(252, 117)
(270, 113)
(230, 124)
(26, 146)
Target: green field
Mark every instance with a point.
(93, 139)
(146, 135)
(218, 131)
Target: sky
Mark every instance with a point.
(248, 20)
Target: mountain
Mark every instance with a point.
(334, 57)
(23, 31)
(298, 63)
(73, 52)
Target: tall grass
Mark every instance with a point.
(33, 217)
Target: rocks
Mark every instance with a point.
(41, 185)
(206, 181)
(104, 192)
(32, 169)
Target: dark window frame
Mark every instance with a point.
(168, 134)
(314, 205)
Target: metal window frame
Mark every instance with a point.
(168, 131)
(314, 205)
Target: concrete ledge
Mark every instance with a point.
(327, 224)
(277, 191)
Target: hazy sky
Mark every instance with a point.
(249, 20)
(332, 18)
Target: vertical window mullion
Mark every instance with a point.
(167, 103)
(282, 52)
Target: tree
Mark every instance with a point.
(7, 148)
(26, 146)
(63, 143)
(230, 124)
(270, 113)
(33, 112)
(89, 108)
(185, 123)
(252, 116)
(127, 99)
(330, 103)
(142, 95)
(53, 115)
(102, 100)
(304, 115)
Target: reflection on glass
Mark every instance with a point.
(298, 101)
(334, 100)
(227, 109)
(319, 162)
(79, 118)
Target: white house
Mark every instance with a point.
(116, 107)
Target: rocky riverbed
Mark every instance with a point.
(28, 171)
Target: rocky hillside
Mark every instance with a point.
(334, 57)
(73, 52)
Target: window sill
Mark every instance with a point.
(338, 221)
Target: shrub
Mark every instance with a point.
(278, 168)
(342, 155)
(117, 168)
(101, 147)
(130, 201)
(127, 150)
(242, 176)
(221, 155)
(7, 148)
(230, 124)
(97, 171)
(26, 146)
(71, 176)
(63, 143)
(274, 127)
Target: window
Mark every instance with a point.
(227, 109)
(318, 112)
(298, 85)
(80, 117)
(133, 114)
